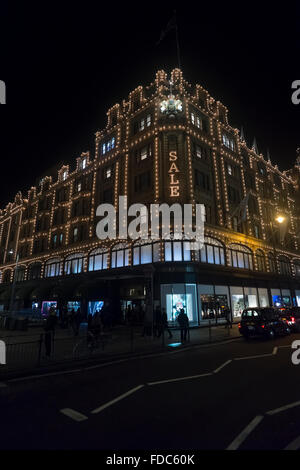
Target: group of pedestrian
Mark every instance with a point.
(158, 321)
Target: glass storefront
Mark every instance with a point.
(237, 301)
(177, 296)
(73, 305)
(281, 298)
(251, 299)
(212, 301)
(46, 305)
(297, 292)
(95, 306)
(263, 297)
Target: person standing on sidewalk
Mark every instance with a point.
(164, 322)
(228, 317)
(49, 330)
(183, 321)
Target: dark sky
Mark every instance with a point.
(65, 64)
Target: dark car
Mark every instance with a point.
(291, 316)
(265, 322)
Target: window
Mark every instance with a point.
(177, 250)
(74, 263)
(198, 121)
(52, 267)
(108, 146)
(256, 231)
(297, 268)
(230, 169)
(228, 142)
(212, 252)
(98, 259)
(192, 118)
(145, 252)
(79, 186)
(272, 263)
(6, 276)
(142, 182)
(233, 194)
(284, 266)
(83, 164)
(108, 172)
(143, 153)
(260, 260)
(34, 271)
(75, 234)
(65, 175)
(120, 256)
(240, 256)
(202, 180)
(19, 273)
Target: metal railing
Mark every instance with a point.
(49, 347)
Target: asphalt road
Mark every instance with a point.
(220, 401)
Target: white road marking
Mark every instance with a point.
(252, 357)
(179, 379)
(294, 445)
(40, 376)
(73, 414)
(221, 367)
(106, 405)
(245, 433)
(275, 350)
(283, 408)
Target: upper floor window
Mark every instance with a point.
(297, 267)
(98, 259)
(197, 121)
(272, 263)
(212, 252)
(260, 260)
(177, 250)
(74, 263)
(65, 175)
(284, 266)
(83, 164)
(240, 256)
(145, 252)
(142, 182)
(108, 146)
(120, 255)
(34, 271)
(143, 123)
(52, 267)
(202, 180)
(143, 153)
(228, 142)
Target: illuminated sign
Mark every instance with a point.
(174, 181)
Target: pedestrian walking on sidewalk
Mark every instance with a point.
(228, 317)
(49, 330)
(183, 321)
(164, 321)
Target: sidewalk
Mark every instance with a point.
(26, 350)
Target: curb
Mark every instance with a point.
(81, 365)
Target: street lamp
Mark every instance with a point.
(11, 252)
(280, 219)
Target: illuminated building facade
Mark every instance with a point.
(168, 142)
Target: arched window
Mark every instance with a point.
(120, 255)
(212, 252)
(272, 262)
(6, 276)
(240, 256)
(177, 250)
(20, 273)
(284, 266)
(74, 263)
(34, 271)
(145, 251)
(260, 260)
(52, 267)
(297, 267)
(98, 259)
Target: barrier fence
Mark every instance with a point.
(51, 347)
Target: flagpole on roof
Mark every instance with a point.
(177, 41)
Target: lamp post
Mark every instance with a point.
(280, 219)
(14, 282)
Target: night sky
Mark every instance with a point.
(64, 66)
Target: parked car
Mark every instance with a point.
(265, 322)
(291, 316)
